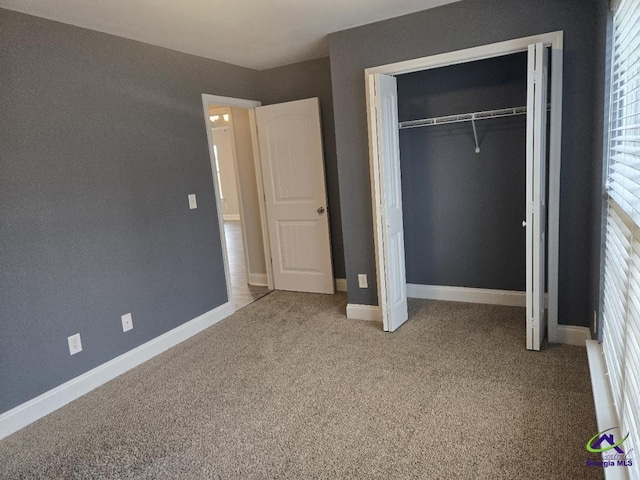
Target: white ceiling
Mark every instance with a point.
(253, 33)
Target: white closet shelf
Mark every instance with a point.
(463, 117)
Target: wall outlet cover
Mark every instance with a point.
(192, 201)
(362, 280)
(75, 344)
(127, 322)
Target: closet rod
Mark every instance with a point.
(463, 117)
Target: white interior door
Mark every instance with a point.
(536, 193)
(392, 291)
(290, 144)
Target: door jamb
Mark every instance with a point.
(552, 39)
(257, 163)
(251, 105)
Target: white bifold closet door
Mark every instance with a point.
(390, 248)
(290, 144)
(536, 207)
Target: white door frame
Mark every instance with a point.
(552, 39)
(215, 100)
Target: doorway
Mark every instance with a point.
(382, 109)
(267, 164)
(233, 151)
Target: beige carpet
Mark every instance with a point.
(289, 388)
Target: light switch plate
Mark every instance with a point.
(127, 322)
(192, 201)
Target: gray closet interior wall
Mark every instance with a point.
(463, 211)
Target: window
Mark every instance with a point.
(621, 301)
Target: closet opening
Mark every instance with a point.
(465, 160)
(463, 164)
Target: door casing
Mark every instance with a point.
(207, 101)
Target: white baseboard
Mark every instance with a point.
(364, 312)
(30, 411)
(570, 335)
(465, 294)
(233, 217)
(341, 284)
(606, 416)
(258, 279)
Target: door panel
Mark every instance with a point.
(290, 142)
(293, 239)
(393, 301)
(536, 193)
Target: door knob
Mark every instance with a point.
(321, 210)
(524, 223)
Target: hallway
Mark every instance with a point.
(243, 293)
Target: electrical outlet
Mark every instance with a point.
(192, 201)
(362, 280)
(127, 322)
(75, 344)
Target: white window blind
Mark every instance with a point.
(621, 302)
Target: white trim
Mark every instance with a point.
(229, 101)
(555, 40)
(363, 312)
(603, 401)
(467, 55)
(258, 279)
(34, 409)
(257, 163)
(231, 217)
(341, 284)
(572, 335)
(465, 294)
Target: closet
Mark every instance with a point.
(463, 163)
(457, 185)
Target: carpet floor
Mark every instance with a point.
(287, 387)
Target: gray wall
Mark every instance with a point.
(102, 139)
(451, 27)
(305, 80)
(463, 211)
